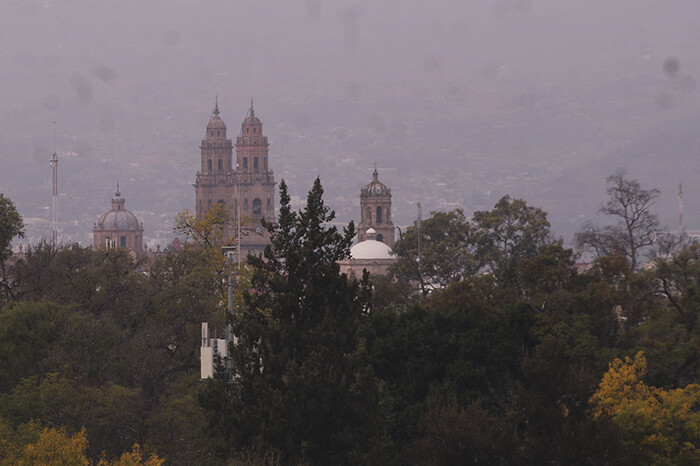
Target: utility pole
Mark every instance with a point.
(54, 201)
(419, 224)
(230, 252)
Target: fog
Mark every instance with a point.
(458, 103)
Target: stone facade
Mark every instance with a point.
(246, 189)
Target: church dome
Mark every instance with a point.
(376, 187)
(371, 249)
(118, 218)
(215, 122)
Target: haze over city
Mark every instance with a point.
(457, 103)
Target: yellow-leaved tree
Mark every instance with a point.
(56, 447)
(662, 425)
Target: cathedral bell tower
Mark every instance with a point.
(214, 177)
(375, 212)
(254, 197)
(246, 190)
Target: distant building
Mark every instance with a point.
(118, 228)
(212, 351)
(375, 211)
(246, 189)
(375, 236)
(370, 254)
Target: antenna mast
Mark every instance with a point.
(419, 222)
(680, 208)
(54, 200)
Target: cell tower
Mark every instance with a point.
(680, 209)
(54, 201)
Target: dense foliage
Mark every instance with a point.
(496, 350)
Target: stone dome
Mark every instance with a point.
(215, 122)
(371, 249)
(118, 218)
(376, 187)
(251, 119)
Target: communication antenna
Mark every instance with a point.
(680, 208)
(420, 221)
(54, 197)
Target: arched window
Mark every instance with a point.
(209, 165)
(212, 132)
(257, 206)
(379, 214)
(245, 163)
(245, 204)
(380, 237)
(247, 130)
(218, 132)
(255, 163)
(221, 164)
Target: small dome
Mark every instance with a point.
(118, 218)
(371, 249)
(251, 119)
(215, 122)
(376, 187)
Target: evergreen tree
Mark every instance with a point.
(304, 385)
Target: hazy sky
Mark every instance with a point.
(535, 94)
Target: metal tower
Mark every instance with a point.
(54, 201)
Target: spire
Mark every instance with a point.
(252, 110)
(117, 193)
(375, 175)
(216, 105)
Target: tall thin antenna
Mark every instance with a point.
(54, 196)
(54, 201)
(680, 208)
(419, 224)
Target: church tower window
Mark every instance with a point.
(257, 206)
(221, 164)
(379, 214)
(245, 163)
(209, 165)
(255, 163)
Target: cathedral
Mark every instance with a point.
(247, 188)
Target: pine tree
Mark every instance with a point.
(304, 385)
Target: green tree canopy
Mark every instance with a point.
(508, 233)
(447, 251)
(11, 225)
(304, 385)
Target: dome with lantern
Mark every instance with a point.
(375, 187)
(118, 227)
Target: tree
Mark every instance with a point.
(508, 233)
(56, 447)
(11, 225)
(636, 225)
(663, 425)
(304, 385)
(447, 254)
